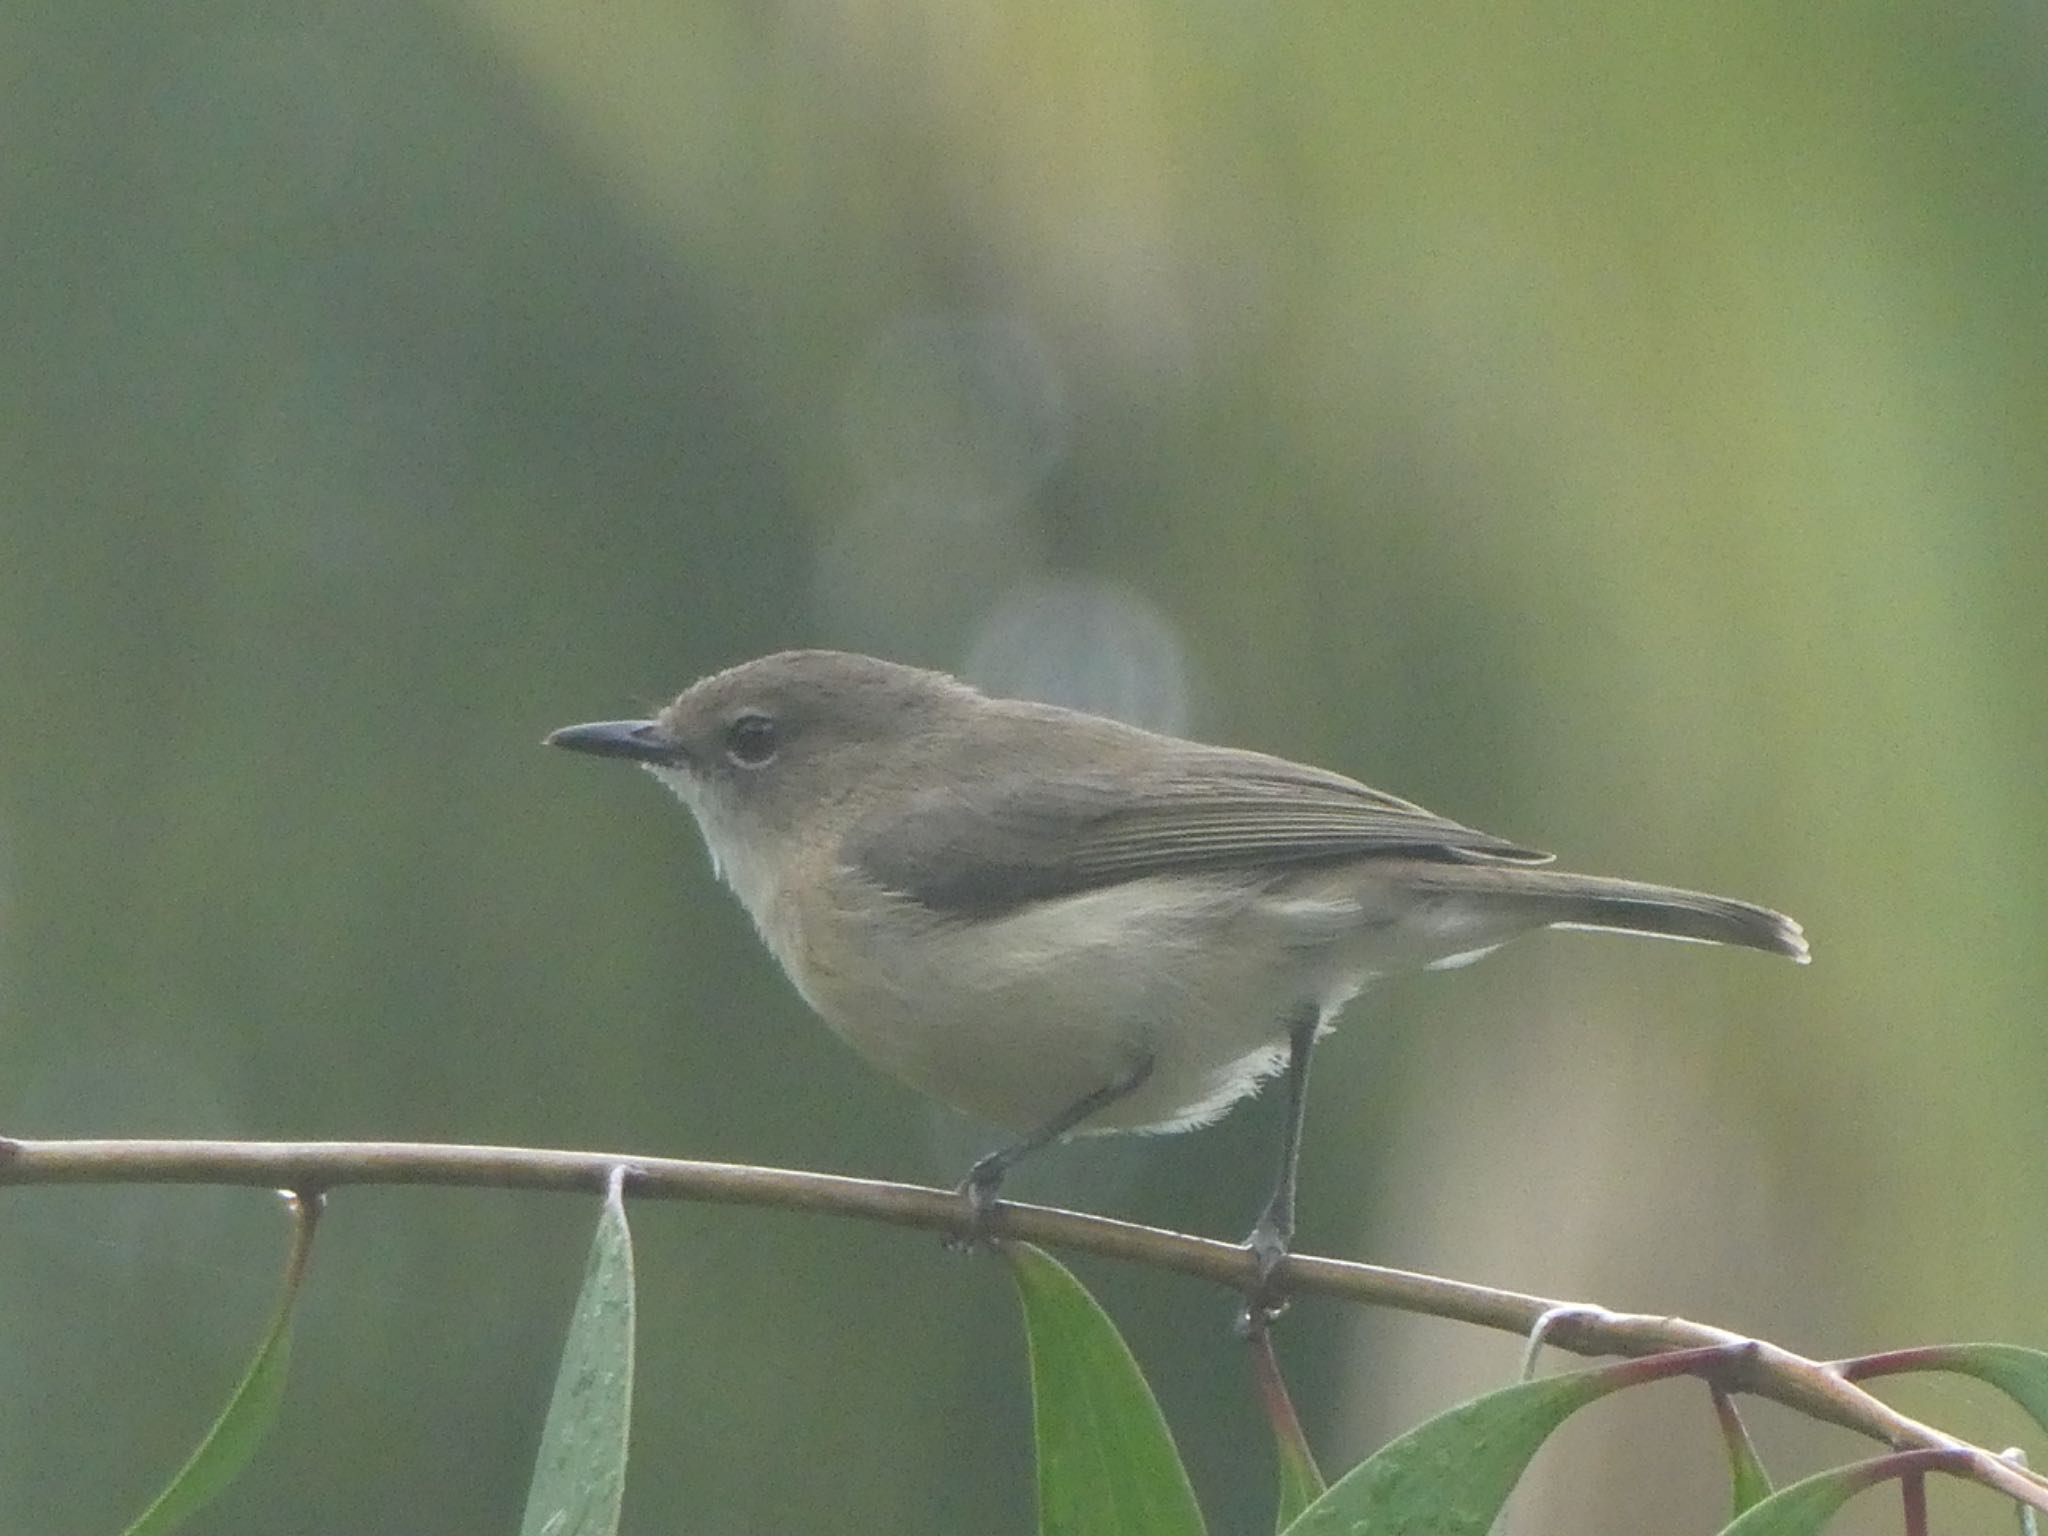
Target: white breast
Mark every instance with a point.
(1015, 1018)
(748, 867)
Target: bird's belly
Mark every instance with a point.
(1013, 1019)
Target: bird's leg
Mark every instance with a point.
(1274, 1230)
(986, 1176)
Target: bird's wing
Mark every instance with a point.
(992, 845)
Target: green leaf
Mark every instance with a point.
(1301, 1480)
(1451, 1475)
(1752, 1485)
(1801, 1508)
(1106, 1463)
(1301, 1483)
(1806, 1506)
(251, 1409)
(2021, 1374)
(579, 1477)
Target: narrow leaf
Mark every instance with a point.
(1804, 1507)
(2021, 1374)
(1751, 1484)
(1451, 1475)
(1799, 1509)
(251, 1408)
(579, 1477)
(1301, 1480)
(1106, 1463)
(1301, 1484)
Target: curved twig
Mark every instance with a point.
(1762, 1369)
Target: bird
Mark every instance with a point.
(1062, 924)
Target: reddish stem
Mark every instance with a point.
(1913, 1489)
(1926, 1357)
(1287, 1431)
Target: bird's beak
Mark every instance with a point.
(643, 741)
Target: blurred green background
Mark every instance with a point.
(1624, 428)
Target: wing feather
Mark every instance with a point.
(1001, 842)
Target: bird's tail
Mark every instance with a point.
(1560, 899)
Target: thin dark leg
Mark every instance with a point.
(1274, 1230)
(986, 1176)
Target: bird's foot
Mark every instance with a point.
(979, 1190)
(1263, 1303)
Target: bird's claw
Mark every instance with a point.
(978, 1189)
(1263, 1303)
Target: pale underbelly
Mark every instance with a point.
(1014, 1026)
(1015, 1019)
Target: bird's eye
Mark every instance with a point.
(751, 740)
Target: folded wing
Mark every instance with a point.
(1003, 841)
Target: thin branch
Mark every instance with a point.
(311, 1167)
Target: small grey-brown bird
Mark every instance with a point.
(1063, 924)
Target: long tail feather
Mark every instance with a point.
(1560, 899)
(1624, 906)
